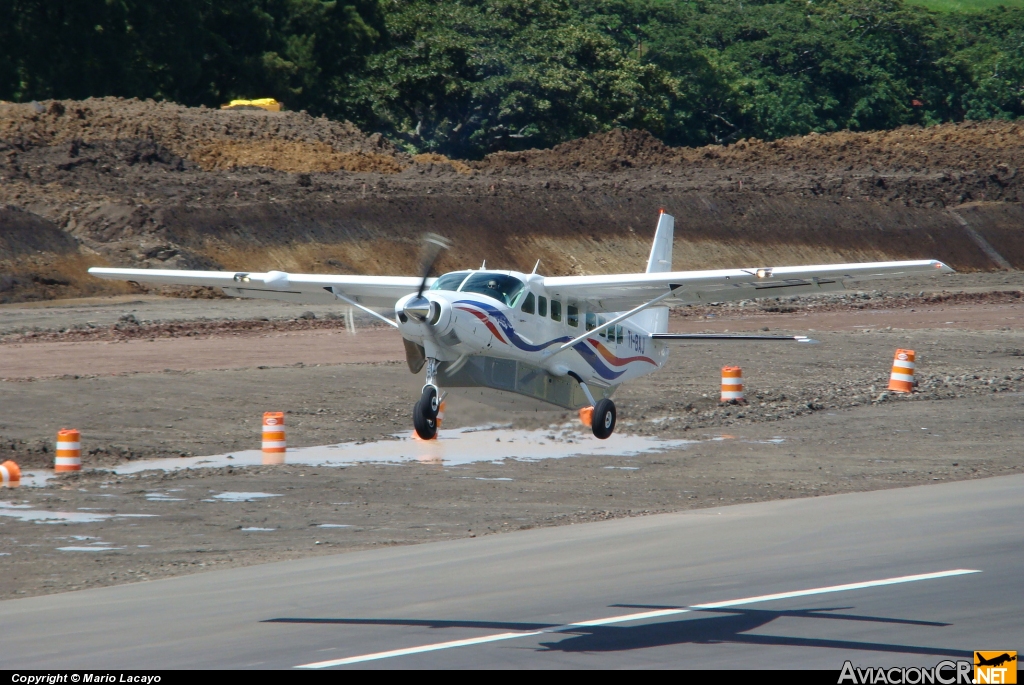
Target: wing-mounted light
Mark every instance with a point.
(241, 277)
(763, 273)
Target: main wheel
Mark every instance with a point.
(603, 421)
(424, 414)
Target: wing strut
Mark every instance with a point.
(622, 317)
(334, 291)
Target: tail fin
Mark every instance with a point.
(660, 260)
(655, 319)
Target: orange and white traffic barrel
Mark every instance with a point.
(587, 416)
(273, 437)
(902, 377)
(440, 414)
(10, 474)
(69, 451)
(732, 384)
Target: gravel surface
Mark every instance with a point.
(818, 420)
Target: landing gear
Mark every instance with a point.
(601, 414)
(424, 414)
(603, 419)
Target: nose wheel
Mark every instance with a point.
(603, 419)
(424, 414)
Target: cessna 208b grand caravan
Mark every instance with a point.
(564, 340)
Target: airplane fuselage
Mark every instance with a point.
(523, 322)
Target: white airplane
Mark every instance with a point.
(563, 340)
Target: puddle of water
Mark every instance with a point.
(88, 549)
(240, 496)
(162, 497)
(454, 447)
(333, 525)
(23, 512)
(624, 468)
(36, 478)
(253, 528)
(770, 441)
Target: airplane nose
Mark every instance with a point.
(417, 308)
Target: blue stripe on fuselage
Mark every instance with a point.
(509, 331)
(584, 350)
(591, 358)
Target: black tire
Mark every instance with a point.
(429, 400)
(424, 415)
(603, 420)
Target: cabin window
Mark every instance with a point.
(572, 315)
(618, 334)
(450, 281)
(591, 321)
(556, 310)
(528, 304)
(604, 332)
(542, 305)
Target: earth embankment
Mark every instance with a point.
(143, 184)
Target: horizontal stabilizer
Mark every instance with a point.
(729, 336)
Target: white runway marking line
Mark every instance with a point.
(637, 617)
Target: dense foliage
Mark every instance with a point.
(189, 51)
(470, 76)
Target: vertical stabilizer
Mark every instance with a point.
(655, 319)
(660, 260)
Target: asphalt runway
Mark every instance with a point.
(901, 577)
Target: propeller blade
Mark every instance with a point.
(433, 244)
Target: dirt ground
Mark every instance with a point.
(157, 185)
(819, 421)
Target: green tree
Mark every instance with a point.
(992, 49)
(771, 69)
(191, 51)
(465, 78)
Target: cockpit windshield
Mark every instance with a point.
(450, 281)
(501, 287)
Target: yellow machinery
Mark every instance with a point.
(269, 104)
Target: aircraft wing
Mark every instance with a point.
(370, 291)
(620, 292)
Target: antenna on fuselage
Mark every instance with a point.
(484, 265)
(535, 266)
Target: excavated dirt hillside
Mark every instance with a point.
(146, 184)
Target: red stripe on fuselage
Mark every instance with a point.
(487, 322)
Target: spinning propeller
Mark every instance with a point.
(419, 307)
(432, 246)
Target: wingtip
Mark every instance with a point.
(805, 339)
(942, 267)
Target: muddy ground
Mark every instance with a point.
(819, 421)
(156, 185)
(137, 184)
